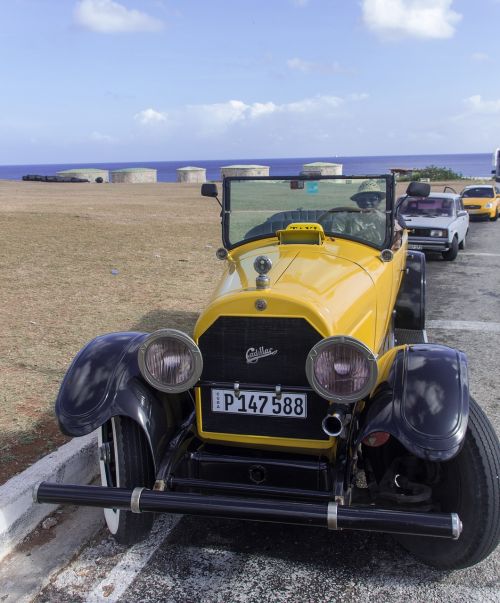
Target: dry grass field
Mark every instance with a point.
(59, 244)
(59, 247)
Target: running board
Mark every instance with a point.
(326, 514)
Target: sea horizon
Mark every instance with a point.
(474, 165)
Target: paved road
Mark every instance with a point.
(195, 559)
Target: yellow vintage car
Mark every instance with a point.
(482, 200)
(308, 392)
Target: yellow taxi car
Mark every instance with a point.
(308, 393)
(482, 200)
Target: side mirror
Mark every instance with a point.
(209, 189)
(462, 212)
(418, 189)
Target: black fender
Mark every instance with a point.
(410, 303)
(424, 403)
(104, 381)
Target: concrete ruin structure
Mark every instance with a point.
(323, 168)
(191, 175)
(133, 175)
(244, 170)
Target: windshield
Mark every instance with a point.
(354, 208)
(479, 192)
(432, 207)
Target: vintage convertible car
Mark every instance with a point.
(308, 393)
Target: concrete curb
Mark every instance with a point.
(75, 462)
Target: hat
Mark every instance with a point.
(368, 188)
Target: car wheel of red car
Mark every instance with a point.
(469, 486)
(452, 252)
(125, 462)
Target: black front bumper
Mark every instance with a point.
(327, 514)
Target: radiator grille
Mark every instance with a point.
(277, 346)
(419, 232)
(263, 351)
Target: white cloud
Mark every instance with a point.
(107, 16)
(236, 116)
(303, 66)
(475, 104)
(222, 115)
(314, 104)
(150, 116)
(260, 109)
(358, 96)
(415, 18)
(480, 56)
(99, 137)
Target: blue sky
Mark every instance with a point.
(138, 80)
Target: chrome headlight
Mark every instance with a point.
(170, 361)
(438, 232)
(341, 369)
(488, 205)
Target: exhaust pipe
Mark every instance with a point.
(333, 423)
(322, 514)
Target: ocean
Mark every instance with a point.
(473, 165)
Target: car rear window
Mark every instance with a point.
(427, 206)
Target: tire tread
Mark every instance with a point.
(136, 470)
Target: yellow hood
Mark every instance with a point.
(316, 282)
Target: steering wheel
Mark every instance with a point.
(338, 210)
(344, 226)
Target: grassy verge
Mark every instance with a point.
(77, 261)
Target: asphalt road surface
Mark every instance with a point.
(213, 560)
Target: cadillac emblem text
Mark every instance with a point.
(253, 355)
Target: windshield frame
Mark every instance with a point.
(390, 210)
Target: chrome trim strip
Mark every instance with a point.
(135, 499)
(331, 516)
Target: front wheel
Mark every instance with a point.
(452, 252)
(125, 462)
(495, 217)
(469, 486)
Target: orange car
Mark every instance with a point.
(482, 200)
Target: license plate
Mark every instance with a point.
(293, 406)
(415, 247)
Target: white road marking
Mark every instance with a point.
(464, 325)
(112, 587)
(493, 255)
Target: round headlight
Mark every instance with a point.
(341, 369)
(170, 361)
